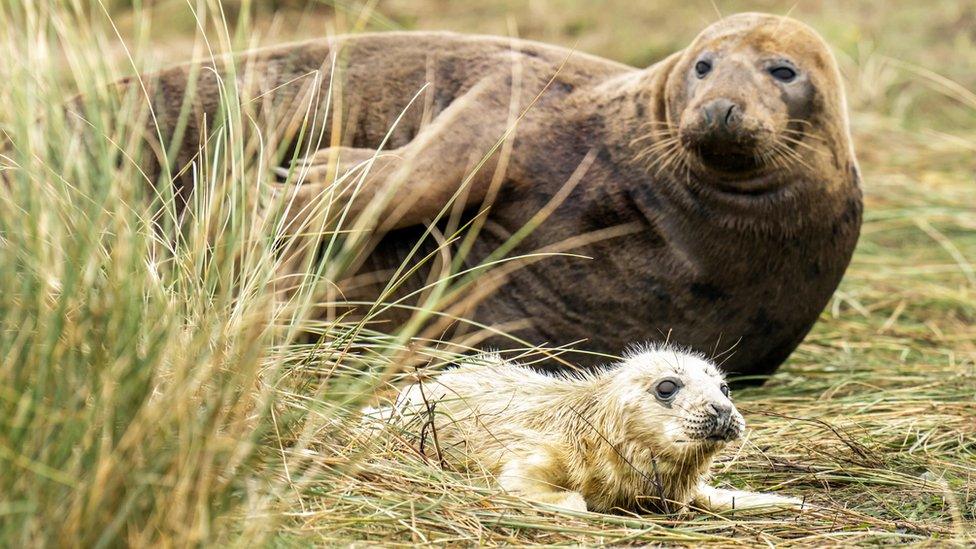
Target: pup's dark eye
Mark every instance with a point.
(783, 74)
(725, 389)
(702, 68)
(666, 389)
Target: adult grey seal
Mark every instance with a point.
(716, 191)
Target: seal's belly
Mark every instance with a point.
(636, 290)
(632, 289)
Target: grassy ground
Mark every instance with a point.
(146, 398)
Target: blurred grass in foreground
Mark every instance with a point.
(153, 389)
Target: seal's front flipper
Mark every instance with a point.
(337, 183)
(330, 165)
(451, 161)
(719, 500)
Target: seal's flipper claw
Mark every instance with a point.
(281, 172)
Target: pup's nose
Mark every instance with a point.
(722, 424)
(722, 113)
(721, 412)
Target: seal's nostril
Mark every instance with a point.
(729, 120)
(722, 114)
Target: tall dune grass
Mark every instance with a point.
(136, 384)
(144, 350)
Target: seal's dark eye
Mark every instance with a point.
(666, 389)
(702, 68)
(725, 389)
(783, 74)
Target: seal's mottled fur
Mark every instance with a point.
(665, 239)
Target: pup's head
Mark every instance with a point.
(676, 403)
(755, 93)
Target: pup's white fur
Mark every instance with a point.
(594, 441)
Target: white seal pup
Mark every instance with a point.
(638, 435)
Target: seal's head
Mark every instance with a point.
(755, 93)
(675, 403)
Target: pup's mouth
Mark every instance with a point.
(708, 442)
(717, 433)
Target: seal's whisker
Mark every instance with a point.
(644, 137)
(659, 145)
(778, 159)
(799, 143)
(656, 162)
(658, 134)
(784, 162)
(665, 149)
(778, 156)
(799, 121)
(768, 158)
(641, 155)
(791, 154)
(802, 135)
(650, 123)
(673, 156)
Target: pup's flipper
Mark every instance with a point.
(720, 500)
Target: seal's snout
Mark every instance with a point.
(722, 115)
(723, 133)
(723, 425)
(722, 124)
